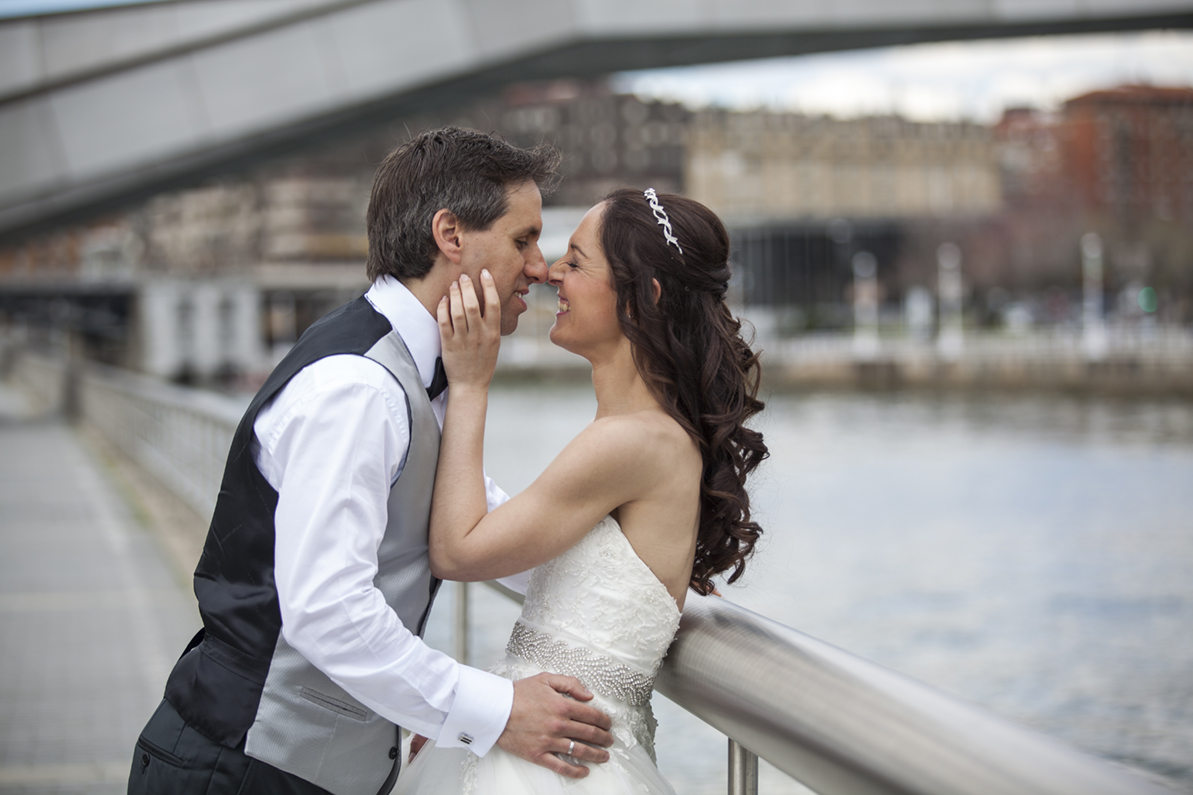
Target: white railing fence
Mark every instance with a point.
(179, 435)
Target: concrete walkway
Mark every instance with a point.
(92, 616)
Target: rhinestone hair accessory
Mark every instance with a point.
(661, 216)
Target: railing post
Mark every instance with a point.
(462, 623)
(743, 770)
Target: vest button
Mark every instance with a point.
(393, 753)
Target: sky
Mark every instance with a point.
(949, 81)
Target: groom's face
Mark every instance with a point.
(509, 249)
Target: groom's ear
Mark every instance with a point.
(445, 228)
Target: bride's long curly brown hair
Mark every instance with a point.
(689, 350)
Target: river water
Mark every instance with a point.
(1030, 554)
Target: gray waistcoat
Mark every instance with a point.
(306, 724)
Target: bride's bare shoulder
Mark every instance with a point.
(644, 435)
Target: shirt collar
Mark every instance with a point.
(414, 324)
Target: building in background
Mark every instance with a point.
(1117, 162)
(758, 167)
(214, 283)
(206, 285)
(608, 140)
(1129, 153)
(805, 194)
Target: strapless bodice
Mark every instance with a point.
(597, 612)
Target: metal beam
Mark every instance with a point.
(86, 131)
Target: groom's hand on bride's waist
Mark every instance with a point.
(548, 720)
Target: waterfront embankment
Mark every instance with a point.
(1147, 363)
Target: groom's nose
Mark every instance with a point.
(536, 266)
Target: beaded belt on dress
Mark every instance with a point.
(598, 673)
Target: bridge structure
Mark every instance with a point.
(106, 106)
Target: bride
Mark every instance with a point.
(647, 502)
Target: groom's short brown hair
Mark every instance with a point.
(467, 172)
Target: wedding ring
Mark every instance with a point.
(571, 746)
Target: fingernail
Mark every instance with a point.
(464, 277)
(486, 275)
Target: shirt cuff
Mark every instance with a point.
(479, 711)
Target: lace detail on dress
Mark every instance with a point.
(599, 602)
(468, 774)
(638, 614)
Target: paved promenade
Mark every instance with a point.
(91, 615)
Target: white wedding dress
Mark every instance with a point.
(598, 613)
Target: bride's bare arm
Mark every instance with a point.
(614, 461)
(470, 343)
(542, 721)
(604, 467)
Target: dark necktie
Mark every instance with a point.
(439, 381)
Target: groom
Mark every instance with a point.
(314, 584)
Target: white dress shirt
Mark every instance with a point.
(331, 443)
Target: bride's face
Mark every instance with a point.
(586, 321)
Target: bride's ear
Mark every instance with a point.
(656, 290)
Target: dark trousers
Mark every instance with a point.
(172, 758)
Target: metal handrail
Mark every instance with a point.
(837, 723)
(844, 726)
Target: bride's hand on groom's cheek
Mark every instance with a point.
(470, 337)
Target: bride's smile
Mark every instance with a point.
(586, 320)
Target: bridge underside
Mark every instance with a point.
(77, 143)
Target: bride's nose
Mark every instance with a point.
(555, 272)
